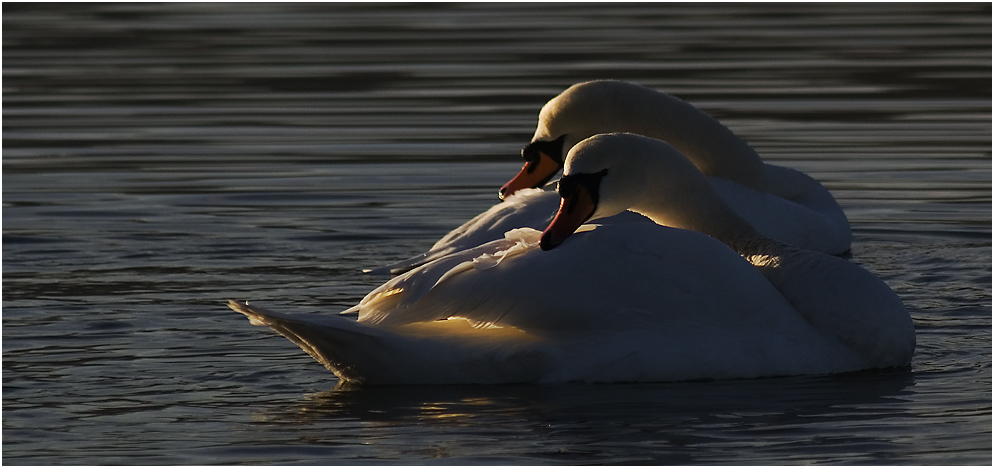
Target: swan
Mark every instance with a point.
(780, 202)
(708, 299)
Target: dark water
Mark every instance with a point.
(158, 159)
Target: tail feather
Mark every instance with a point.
(326, 339)
(360, 353)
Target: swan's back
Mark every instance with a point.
(670, 304)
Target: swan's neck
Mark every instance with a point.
(696, 206)
(707, 143)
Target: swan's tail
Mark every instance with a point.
(326, 339)
(429, 353)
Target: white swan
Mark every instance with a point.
(780, 202)
(622, 302)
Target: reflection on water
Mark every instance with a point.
(646, 423)
(161, 158)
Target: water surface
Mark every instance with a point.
(159, 159)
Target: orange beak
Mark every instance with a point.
(573, 212)
(533, 174)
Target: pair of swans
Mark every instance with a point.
(693, 291)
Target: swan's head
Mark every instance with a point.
(582, 111)
(607, 174)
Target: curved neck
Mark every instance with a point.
(712, 147)
(705, 212)
(690, 202)
(730, 229)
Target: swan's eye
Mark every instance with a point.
(566, 186)
(553, 149)
(530, 153)
(591, 183)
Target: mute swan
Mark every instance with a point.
(780, 202)
(619, 302)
